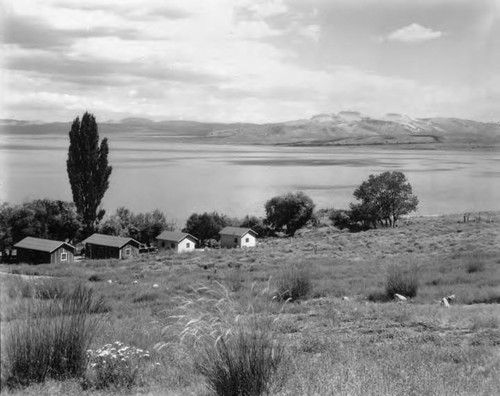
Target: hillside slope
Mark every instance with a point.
(342, 129)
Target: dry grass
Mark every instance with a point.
(331, 346)
(49, 339)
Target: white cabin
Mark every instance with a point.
(231, 237)
(177, 241)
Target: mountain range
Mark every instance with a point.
(347, 128)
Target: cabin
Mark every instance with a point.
(231, 237)
(100, 246)
(177, 241)
(44, 251)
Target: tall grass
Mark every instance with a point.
(51, 339)
(401, 281)
(293, 282)
(230, 343)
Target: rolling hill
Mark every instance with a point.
(346, 128)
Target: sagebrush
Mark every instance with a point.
(402, 281)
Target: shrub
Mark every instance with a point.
(114, 365)
(294, 283)
(146, 297)
(52, 339)
(401, 281)
(95, 278)
(233, 347)
(475, 265)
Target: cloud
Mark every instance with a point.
(413, 33)
(311, 32)
(34, 33)
(264, 8)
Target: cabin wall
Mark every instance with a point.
(33, 256)
(229, 241)
(186, 245)
(248, 240)
(95, 252)
(128, 251)
(57, 256)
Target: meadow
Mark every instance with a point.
(342, 335)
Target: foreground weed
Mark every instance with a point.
(51, 340)
(228, 342)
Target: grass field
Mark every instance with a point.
(341, 338)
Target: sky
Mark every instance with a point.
(249, 60)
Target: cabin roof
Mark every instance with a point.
(175, 236)
(110, 240)
(236, 231)
(42, 245)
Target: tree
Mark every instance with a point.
(205, 226)
(143, 227)
(42, 218)
(88, 170)
(256, 224)
(289, 212)
(383, 199)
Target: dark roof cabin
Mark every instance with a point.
(100, 246)
(44, 251)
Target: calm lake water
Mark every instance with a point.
(182, 178)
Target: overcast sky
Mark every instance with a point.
(249, 60)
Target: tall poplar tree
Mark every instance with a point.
(88, 170)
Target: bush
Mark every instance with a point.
(95, 278)
(294, 283)
(475, 265)
(52, 340)
(114, 365)
(146, 297)
(400, 281)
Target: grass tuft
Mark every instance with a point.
(49, 290)
(51, 340)
(293, 283)
(401, 281)
(231, 345)
(475, 266)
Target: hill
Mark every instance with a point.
(342, 337)
(347, 128)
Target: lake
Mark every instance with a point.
(180, 178)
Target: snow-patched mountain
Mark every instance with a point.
(346, 128)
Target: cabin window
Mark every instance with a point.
(128, 252)
(163, 244)
(235, 240)
(188, 244)
(247, 240)
(172, 245)
(64, 256)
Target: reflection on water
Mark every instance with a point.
(181, 178)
